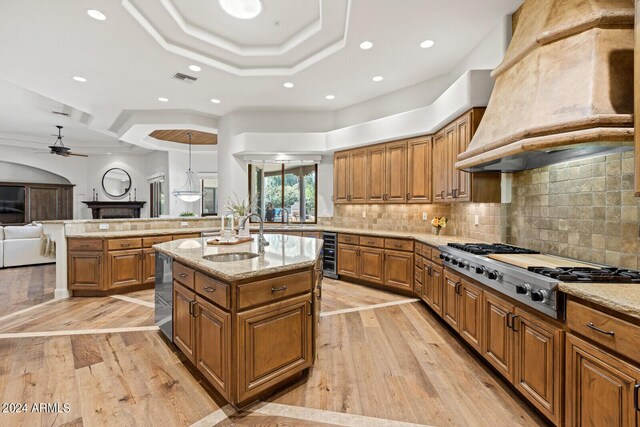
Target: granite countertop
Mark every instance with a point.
(140, 233)
(284, 253)
(120, 220)
(621, 297)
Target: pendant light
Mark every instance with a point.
(190, 191)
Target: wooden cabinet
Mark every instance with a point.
(124, 268)
(498, 347)
(376, 174)
(470, 300)
(396, 172)
(148, 265)
(602, 390)
(350, 177)
(371, 266)
(348, 260)
(213, 344)
(450, 303)
(539, 360)
(42, 202)
(453, 185)
(341, 178)
(435, 285)
(398, 269)
(184, 323)
(85, 270)
(419, 156)
(272, 341)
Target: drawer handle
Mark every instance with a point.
(281, 288)
(125, 245)
(636, 392)
(209, 289)
(399, 246)
(602, 331)
(182, 275)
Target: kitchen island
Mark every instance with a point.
(246, 320)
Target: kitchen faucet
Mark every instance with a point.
(285, 211)
(262, 242)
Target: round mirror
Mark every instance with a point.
(116, 182)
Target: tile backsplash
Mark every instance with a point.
(583, 209)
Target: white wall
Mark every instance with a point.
(15, 172)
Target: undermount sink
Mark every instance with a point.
(229, 257)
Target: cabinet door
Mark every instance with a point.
(396, 173)
(213, 345)
(427, 282)
(462, 179)
(341, 177)
(125, 268)
(439, 167)
(451, 136)
(85, 270)
(149, 265)
(348, 260)
(65, 203)
(437, 288)
(184, 323)
(376, 166)
(450, 300)
(43, 203)
(539, 349)
(419, 170)
(601, 389)
(358, 176)
(398, 269)
(498, 346)
(371, 264)
(274, 343)
(471, 314)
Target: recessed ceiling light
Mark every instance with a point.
(195, 68)
(162, 99)
(96, 14)
(330, 97)
(109, 154)
(242, 9)
(377, 78)
(427, 44)
(366, 45)
(288, 85)
(215, 101)
(79, 79)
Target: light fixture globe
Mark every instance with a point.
(242, 9)
(190, 192)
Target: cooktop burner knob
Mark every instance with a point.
(493, 275)
(462, 263)
(523, 289)
(480, 269)
(539, 296)
(442, 256)
(455, 261)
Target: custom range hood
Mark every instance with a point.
(564, 90)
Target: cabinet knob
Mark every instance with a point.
(208, 289)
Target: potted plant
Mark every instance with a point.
(439, 223)
(241, 208)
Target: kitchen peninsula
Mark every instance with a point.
(246, 320)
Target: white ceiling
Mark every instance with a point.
(129, 59)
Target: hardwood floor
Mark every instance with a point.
(23, 287)
(378, 365)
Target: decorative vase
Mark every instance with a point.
(243, 232)
(438, 231)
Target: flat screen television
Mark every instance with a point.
(12, 204)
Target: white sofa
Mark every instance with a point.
(21, 246)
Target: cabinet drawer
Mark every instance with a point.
(85, 245)
(615, 334)
(270, 290)
(118, 244)
(418, 275)
(375, 242)
(435, 256)
(399, 245)
(213, 290)
(147, 242)
(187, 236)
(349, 238)
(184, 275)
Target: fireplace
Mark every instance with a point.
(115, 209)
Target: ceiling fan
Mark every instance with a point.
(59, 149)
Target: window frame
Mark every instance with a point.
(282, 174)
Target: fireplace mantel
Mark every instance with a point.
(115, 209)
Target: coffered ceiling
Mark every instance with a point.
(129, 59)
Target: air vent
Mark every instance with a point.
(61, 113)
(184, 77)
